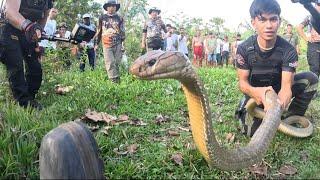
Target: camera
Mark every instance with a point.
(306, 1)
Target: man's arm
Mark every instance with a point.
(285, 93)
(13, 15)
(144, 36)
(258, 93)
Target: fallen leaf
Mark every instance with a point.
(137, 122)
(288, 170)
(190, 146)
(177, 158)
(149, 102)
(44, 93)
(259, 169)
(123, 118)
(99, 117)
(59, 89)
(230, 137)
(94, 128)
(120, 150)
(184, 129)
(161, 119)
(105, 130)
(173, 133)
(132, 148)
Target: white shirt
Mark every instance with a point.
(226, 46)
(171, 41)
(50, 29)
(219, 43)
(182, 44)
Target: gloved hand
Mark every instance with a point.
(33, 32)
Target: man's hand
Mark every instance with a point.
(259, 95)
(285, 98)
(33, 32)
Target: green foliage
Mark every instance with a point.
(68, 10)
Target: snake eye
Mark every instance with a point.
(152, 62)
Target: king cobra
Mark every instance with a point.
(174, 65)
(285, 126)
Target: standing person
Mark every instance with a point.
(313, 51)
(50, 29)
(234, 48)
(111, 31)
(218, 51)
(19, 35)
(164, 36)
(267, 62)
(225, 51)
(183, 42)
(87, 47)
(292, 38)
(65, 53)
(172, 40)
(210, 47)
(152, 31)
(197, 46)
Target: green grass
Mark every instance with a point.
(21, 130)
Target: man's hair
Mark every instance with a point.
(289, 25)
(259, 7)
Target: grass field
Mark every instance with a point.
(21, 130)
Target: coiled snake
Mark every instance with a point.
(174, 65)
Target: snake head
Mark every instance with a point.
(160, 65)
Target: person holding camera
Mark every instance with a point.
(111, 31)
(313, 50)
(20, 30)
(152, 31)
(267, 62)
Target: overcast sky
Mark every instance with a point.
(232, 11)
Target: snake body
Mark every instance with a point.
(173, 65)
(285, 126)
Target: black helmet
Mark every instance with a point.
(154, 9)
(111, 2)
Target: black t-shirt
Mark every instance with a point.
(289, 58)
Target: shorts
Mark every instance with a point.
(198, 51)
(212, 57)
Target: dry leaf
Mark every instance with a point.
(132, 148)
(59, 89)
(120, 150)
(105, 130)
(149, 102)
(161, 119)
(288, 170)
(99, 117)
(137, 122)
(184, 129)
(177, 158)
(123, 118)
(259, 169)
(230, 137)
(190, 146)
(173, 133)
(94, 128)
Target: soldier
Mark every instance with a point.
(111, 31)
(152, 31)
(20, 30)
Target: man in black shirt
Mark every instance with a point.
(21, 26)
(267, 62)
